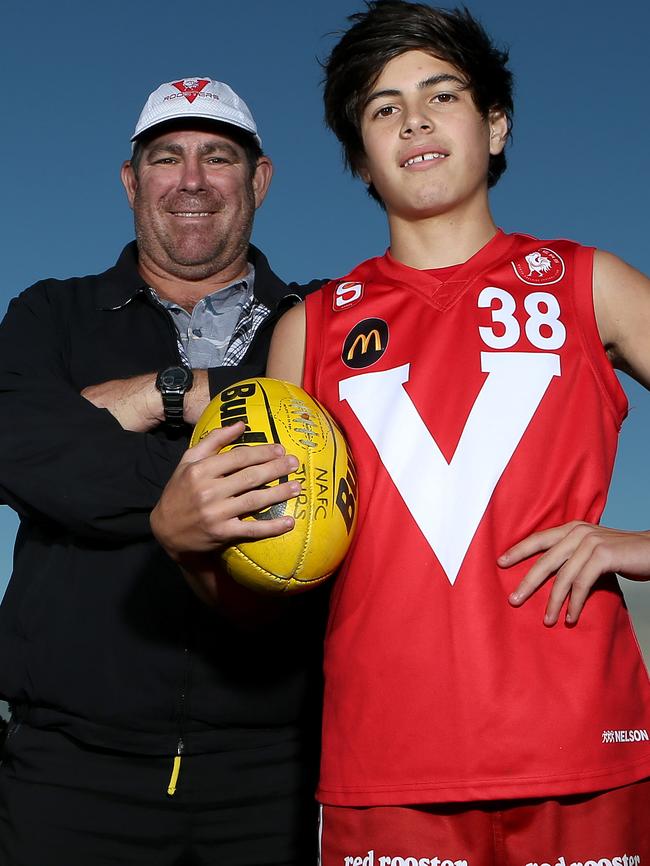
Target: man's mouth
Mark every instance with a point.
(424, 157)
(192, 213)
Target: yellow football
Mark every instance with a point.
(324, 512)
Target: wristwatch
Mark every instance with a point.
(173, 382)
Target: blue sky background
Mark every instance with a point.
(76, 74)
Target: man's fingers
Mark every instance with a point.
(250, 462)
(257, 476)
(254, 530)
(241, 494)
(214, 441)
(228, 477)
(252, 501)
(218, 464)
(225, 509)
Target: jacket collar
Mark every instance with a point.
(121, 283)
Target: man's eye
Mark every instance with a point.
(165, 160)
(444, 98)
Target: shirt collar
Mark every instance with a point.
(242, 286)
(121, 283)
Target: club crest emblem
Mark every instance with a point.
(540, 268)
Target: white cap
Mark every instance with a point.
(195, 98)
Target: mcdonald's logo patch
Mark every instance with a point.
(365, 344)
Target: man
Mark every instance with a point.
(148, 726)
(472, 373)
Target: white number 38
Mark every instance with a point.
(543, 326)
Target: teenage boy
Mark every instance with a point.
(472, 716)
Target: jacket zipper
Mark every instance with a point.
(176, 768)
(182, 707)
(180, 745)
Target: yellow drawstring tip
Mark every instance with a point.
(171, 790)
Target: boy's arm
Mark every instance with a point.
(287, 353)
(622, 305)
(578, 553)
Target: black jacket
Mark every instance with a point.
(99, 635)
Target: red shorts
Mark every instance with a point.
(605, 829)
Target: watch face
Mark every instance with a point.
(173, 378)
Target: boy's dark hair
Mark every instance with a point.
(391, 27)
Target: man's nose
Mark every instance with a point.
(193, 176)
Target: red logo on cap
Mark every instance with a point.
(190, 87)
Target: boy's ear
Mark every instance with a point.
(498, 123)
(362, 170)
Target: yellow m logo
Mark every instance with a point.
(364, 340)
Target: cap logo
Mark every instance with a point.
(189, 88)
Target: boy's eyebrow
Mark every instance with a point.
(432, 81)
(438, 79)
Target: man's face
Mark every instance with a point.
(194, 199)
(427, 147)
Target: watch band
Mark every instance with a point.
(173, 383)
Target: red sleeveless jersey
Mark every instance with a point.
(479, 410)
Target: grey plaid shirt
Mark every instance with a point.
(221, 326)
